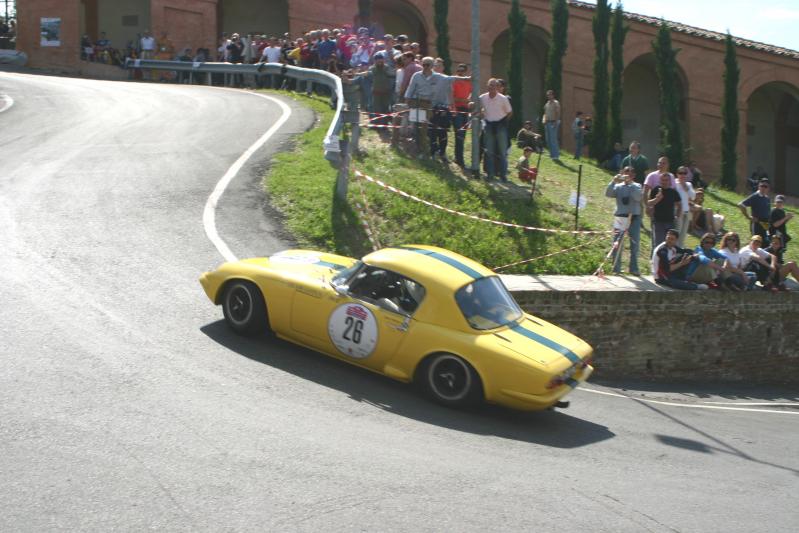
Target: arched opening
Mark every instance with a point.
(534, 60)
(640, 115)
(772, 135)
(398, 18)
(257, 17)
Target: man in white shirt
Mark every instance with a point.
(496, 111)
(551, 120)
(755, 259)
(687, 194)
(272, 54)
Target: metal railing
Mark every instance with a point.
(331, 143)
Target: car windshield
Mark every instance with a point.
(487, 304)
(342, 277)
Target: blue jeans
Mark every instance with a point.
(552, 139)
(578, 145)
(459, 121)
(634, 231)
(496, 145)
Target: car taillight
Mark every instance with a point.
(586, 362)
(556, 382)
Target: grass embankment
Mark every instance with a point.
(302, 186)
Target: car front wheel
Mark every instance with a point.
(451, 381)
(244, 308)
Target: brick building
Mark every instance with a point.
(768, 91)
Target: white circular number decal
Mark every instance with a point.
(353, 329)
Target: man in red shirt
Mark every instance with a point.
(461, 105)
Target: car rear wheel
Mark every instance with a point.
(450, 380)
(244, 308)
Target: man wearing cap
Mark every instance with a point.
(760, 204)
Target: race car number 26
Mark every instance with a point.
(353, 330)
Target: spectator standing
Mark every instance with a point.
(695, 176)
(382, 82)
(653, 179)
(757, 176)
(461, 97)
(442, 119)
(638, 161)
(760, 205)
(419, 96)
(687, 195)
(778, 221)
(671, 264)
(272, 54)
(578, 129)
(627, 217)
(663, 199)
(551, 120)
(147, 45)
(618, 155)
(411, 67)
(496, 112)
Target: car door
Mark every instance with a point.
(363, 322)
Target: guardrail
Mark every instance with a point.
(331, 143)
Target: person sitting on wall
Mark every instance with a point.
(763, 264)
(704, 219)
(790, 268)
(671, 264)
(710, 268)
(778, 220)
(730, 249)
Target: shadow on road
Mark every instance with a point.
(549, 428)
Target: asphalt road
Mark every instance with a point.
(126, 404)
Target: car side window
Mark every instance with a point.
(387, 289)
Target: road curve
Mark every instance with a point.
(127, 404)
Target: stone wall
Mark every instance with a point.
(680, 336)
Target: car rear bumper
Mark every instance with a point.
(534, 402)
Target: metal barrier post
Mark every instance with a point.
(342, 181)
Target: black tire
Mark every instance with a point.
(244, 308)
(450, 380)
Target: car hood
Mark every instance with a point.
(302, 263)
(544, 343)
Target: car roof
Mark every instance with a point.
(429, 265)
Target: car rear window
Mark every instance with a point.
(487, 304)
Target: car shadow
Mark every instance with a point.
(547, 428)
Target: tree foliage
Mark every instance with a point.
(599, 134)
(557, 48)
(517, 20)
(617, 36)
(441, 13)
(730, 118)
(671, 138)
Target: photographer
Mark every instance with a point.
(671, 265)
(627, 216)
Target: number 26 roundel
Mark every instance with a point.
(353, 330)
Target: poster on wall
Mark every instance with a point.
(51, 31)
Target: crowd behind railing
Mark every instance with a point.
(389, 85)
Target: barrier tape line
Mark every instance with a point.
(565, 250)
(362, 176)
(467, 127)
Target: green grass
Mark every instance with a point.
(302, 186)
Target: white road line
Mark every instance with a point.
(209, 214)
(688, 406)
(5, 102)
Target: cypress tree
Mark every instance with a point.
(599, 133)
(441, 13)
(666, 67)
(729, 114)
(517, 20)
(557, 48)
(617, 36)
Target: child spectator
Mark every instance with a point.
(523, 166)
(778, 219)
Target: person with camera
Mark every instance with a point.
(672, 265)
(627, 217)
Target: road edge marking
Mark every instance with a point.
(209, 212)
(687, 406)
(9, 102)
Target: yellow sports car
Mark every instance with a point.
(413, 313)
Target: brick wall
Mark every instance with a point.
(681, 336)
